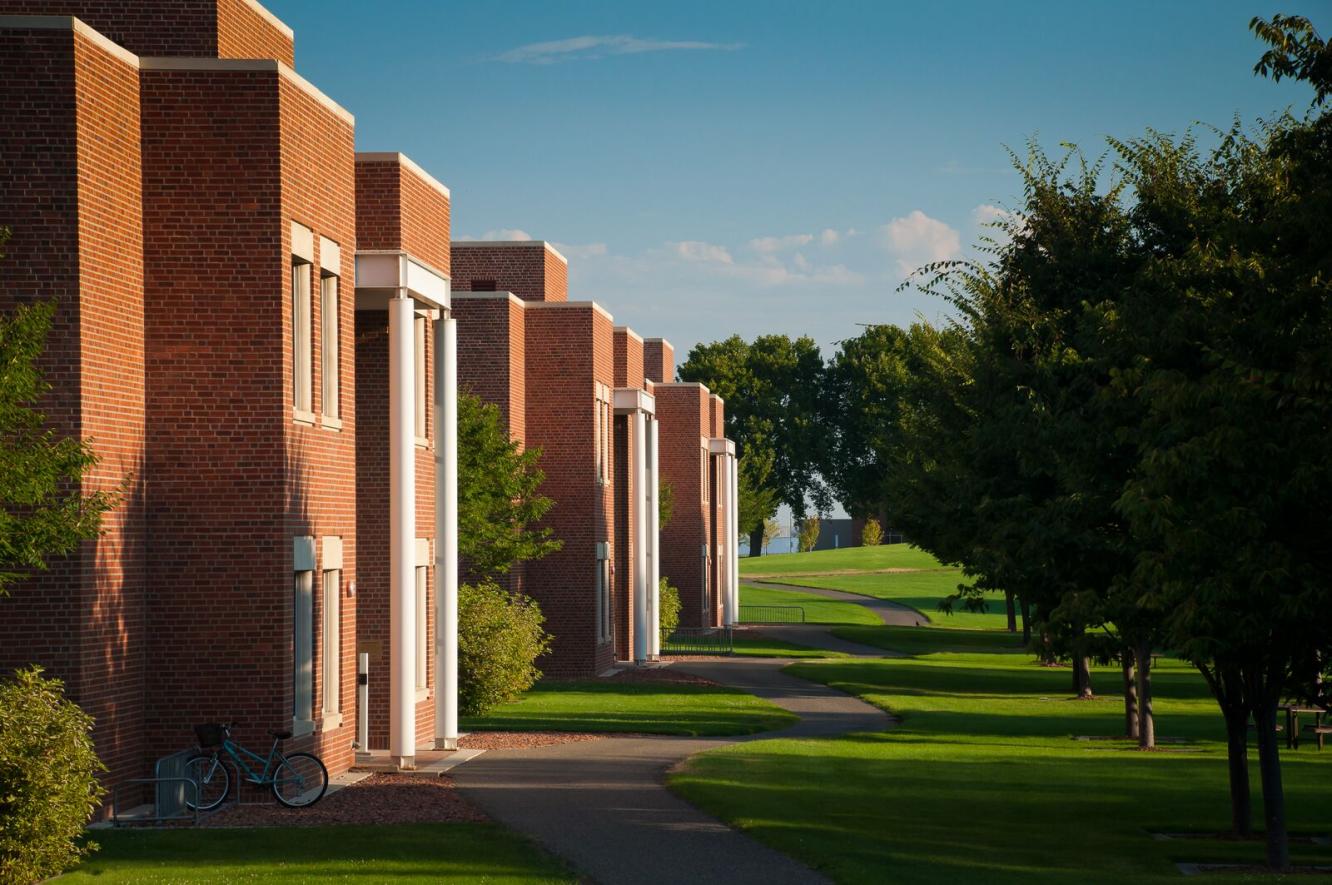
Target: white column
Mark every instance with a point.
(724, 545)
(446, 534)
(735, 533)
(654, 543)
(641, 495)
(402, 533)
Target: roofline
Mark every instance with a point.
(406, 162)
(546, 244)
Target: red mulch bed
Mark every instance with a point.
(379, 799)
(523, 740)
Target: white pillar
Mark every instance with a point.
(654, 544)
(641, 495)
(402, 533)
(724, 552)
(735, 533)
(446, 534)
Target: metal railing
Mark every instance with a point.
(699, 641)
(772, 614)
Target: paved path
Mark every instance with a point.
(894, 613)
(603, 806)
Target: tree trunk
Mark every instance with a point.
(756, 542)
(1130, 694)
(1274, 800)
(1082, 684)
(1026, 622)
(1012, 611)
(1146, 723)
(1237, 756)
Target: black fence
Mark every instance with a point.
(699, 641)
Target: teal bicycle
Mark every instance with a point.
(298, 780)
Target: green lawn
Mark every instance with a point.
(918, 640)
(620, 706)
(464, 852)
(862, 570)
(848, 558)
(985, 779)
(765, 647)
(818, 609)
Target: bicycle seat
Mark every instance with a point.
(281, 735)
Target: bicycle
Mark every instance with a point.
(298, 780)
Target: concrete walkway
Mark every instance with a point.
(603, 806)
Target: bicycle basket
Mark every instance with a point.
(210, 734)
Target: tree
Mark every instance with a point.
(772, 389)
(500, 636)
(498, 499)
(44, 511)
(665, 503)
(758, 500)
(872, 534)
(772, 530)
(809, 533)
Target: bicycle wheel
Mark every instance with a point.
(300, 780)
(213, 779)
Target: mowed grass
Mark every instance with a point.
(612, 705)
(985, 779)
(756, 646)
(818, 609)
(864, 570)
(460, 852)
(847, 559)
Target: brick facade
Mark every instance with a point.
(687, 553)
(531, 269)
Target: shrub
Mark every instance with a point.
(809, 533)
(668, 601)
(872, 534)
(499, 639)
(48, 778)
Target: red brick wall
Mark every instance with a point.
(683, 413)
(570, 350)
(658, 360)
(492, 354)
(526, 268)
(200, 28)
(318, 191)
(398, 209)
(72, 140)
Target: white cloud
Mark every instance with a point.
(829, 236)
(506, 233)
(593, 46)
(694, 250)
(986, 214)
(917, 239)
(769, 245)
(585, 250)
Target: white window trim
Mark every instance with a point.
(302, 336)
(302, 653)
(330, 350)
(331, 642)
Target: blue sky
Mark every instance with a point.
(721, 167)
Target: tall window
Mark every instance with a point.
(419, 345)
(301, 368)
(328, 311)
(420, 627)
(302, 647)
(704, 462)
(603, 591)
(604, 429)
(331, 636)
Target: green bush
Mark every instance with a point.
(872, 534)
(668, 601)
(499, 639)
(809, 533)
(48, 778)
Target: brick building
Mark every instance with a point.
(193, 207)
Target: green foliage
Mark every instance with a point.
(668, 612)
(498, 499)
(1297, 52)
(500, 636)
(772, 389)
(665, 503)
(809, 533)
(48, 778)
(872, 534)
(772, 530)
(43, 510)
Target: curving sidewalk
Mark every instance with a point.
(603, 806)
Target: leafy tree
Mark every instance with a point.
(772, 389)
(49, 775)
(809, 533)
(668, 616)
(498, 499)
(772, 530)
(44, 512)
(665, 503)
(872, 534)
(1297, 52)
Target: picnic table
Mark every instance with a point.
(1321, 725)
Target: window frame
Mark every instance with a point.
(302, 339)
(302, 652)
(330, 353)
